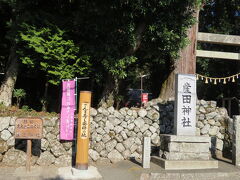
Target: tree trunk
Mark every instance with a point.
(45, 97)
(8, 84)
(110, 91)
(186, 64)
(112, 84)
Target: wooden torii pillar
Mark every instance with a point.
(186, 64)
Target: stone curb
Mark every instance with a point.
(191, 176)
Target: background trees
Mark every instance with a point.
(129, 38)
(221, 17)
(46, 50)
(113, 42)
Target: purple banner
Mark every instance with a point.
(67, 110)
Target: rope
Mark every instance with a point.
(226, 79)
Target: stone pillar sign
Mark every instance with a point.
(185, 150)
(146, 152)
(185, 105)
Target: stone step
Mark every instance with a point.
(184, 164)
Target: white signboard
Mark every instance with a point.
(185, 105)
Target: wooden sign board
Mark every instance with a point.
(28, 128)
(85, 115)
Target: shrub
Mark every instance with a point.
(19, 94)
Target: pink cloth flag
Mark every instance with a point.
(67, 110)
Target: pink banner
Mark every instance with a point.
(67, 110)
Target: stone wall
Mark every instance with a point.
(115, 135)
(214, 122)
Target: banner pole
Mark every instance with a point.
(76, 91)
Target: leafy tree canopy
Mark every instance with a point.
(112, 41)
(49, 51)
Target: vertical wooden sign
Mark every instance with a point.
(83, 130)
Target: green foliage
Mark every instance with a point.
(19, 94)
(123, 37)
(118, 67)
(48, 50)
(26, 108)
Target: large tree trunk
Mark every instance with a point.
(8, 84)
(109, 93)
(112, 84)
(186, 64)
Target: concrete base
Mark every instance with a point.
(184, 147)
(185, 164)
(67, 173)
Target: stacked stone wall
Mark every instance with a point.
(115, 134)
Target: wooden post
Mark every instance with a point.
(83, 130)
(29, 153)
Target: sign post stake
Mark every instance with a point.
(29, 154)
(83, 130)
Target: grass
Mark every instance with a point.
(15, 111)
